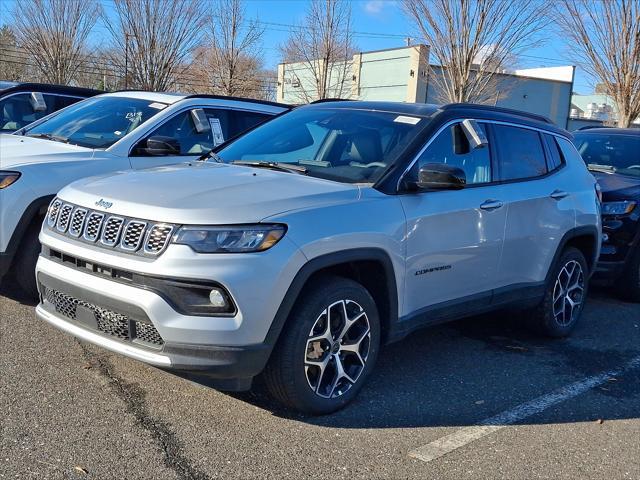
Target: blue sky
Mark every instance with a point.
(379, 24)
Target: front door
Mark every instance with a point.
(454, 238)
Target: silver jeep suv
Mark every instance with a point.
(300, 248)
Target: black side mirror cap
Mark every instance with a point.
(159, 145)
(440, 176)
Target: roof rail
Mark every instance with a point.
(327, 100)
(510, 111)
(240, 99)
(589, 127)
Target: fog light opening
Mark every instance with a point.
(217, 299)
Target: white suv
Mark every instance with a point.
(302, 246)
(110, 132)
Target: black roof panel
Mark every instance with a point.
(46, 88)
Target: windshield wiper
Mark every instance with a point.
(284, 167)
(49, 136)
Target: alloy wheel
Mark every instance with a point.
(568, 293)
(337, 349)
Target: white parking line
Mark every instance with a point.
(460, 438)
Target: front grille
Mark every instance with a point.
(126, 234)
(133, 235)
(63, 218)
(111, 231)
(109, 322)
(77, 222)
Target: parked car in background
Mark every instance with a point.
(613, 156)
(301, 247)
(109, 132)
(24, 103)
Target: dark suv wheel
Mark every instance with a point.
(564, 297)
(327, 349)
(25, 263)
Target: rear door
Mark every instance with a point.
(222, 124)
(454, 237)
(537, 191)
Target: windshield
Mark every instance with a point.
(617, 153)
(98, 122)
(345, 145)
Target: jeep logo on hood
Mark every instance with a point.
(103, 203)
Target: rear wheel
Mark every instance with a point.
(564, 297)
(629, 283)
(25, 262)
(327, 349)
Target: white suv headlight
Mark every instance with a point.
(231, 239)
(8, 178)
(618, 208)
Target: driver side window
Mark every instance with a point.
(451, 147)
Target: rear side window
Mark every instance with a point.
(555, 159)
(521, 153)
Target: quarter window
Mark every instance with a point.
(452, 148)
(555, 160)
(521, 153)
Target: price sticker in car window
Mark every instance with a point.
(216, 130)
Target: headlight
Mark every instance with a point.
(8, 178)
(618, 208)
(231, 239)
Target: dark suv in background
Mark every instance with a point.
(613, 156)
(24, 103)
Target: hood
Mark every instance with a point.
(618, 187)
(17, 150)
(202, 193)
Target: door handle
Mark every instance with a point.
(558, 194)
(491, 205)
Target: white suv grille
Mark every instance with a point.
(109, 231)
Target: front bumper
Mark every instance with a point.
(5, 263)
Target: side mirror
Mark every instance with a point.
(440, 176)
(475, 135)
(162, 146)
(37, 102)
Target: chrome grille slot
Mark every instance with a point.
(157, 238)
(52, 214)
(92, 228)
(133, 235)
(77, 222)
(111, 231)
(63, 218)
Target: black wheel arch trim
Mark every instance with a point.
(35, 208)
(323, 262)
(582, 231)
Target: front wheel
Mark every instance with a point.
(327, 349)
(564, 297)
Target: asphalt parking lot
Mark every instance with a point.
(479, 398)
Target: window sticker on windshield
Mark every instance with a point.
(157, 105)
(216, 129)
(405, 119)
(134, 117)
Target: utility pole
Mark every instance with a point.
(126, 60)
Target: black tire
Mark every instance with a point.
(286, 375)
(25, 263)
(628, 285)
(544, 318)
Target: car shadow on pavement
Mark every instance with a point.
(10, 289)
(464, 372)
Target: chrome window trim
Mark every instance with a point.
(479, 120)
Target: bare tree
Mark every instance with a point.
(474, 40)
(13, 61)
(54, 34)
(154, 39)
(231, 62)
(322, 47)
(605, 40)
